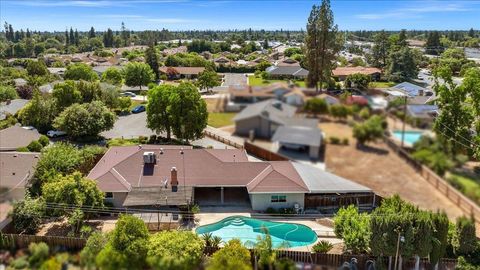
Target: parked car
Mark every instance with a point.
(139, 109)
(56, 133)
(29, 128)
(128, 94)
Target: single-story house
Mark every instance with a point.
(342, 72)
(16, 169)
(331, 100)
(296, 97)
(183, 72)
(11, 107)
(410, 89)
(128, 88)
(357, 100)
(424, 114)
(60, 71)
(281, 72)
(164, 176)
(299, 138)
(16, 136)
(102, 68)
(251, 94)
(263, 118)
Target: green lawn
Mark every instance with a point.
(469, 185)
(381, 84)
(254, 81)
(220, 119)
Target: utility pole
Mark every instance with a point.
(404, 119)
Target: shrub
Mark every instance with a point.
(152, 139)
(27, 214)
(334, 140)
(19, 263)
(364, 113)
(34, 146)
(271, 210)
(23, 149)
(43, 140)
(322, 247)
(345, 141)
(232, 257)
(95, 243)
(7, 93)
(38, 254)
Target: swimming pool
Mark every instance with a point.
(411, 137)
(249, 229)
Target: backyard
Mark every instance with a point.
(381, 84)
(220, 119)
(258, 81)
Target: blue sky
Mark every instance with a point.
(218, 14)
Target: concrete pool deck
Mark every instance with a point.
(323, 232)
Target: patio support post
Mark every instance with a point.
(221, 195)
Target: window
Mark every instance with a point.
(108, 195)
(278, 198)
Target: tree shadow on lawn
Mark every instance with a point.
(371, 149)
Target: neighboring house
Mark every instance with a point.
(282, 72)
(48, 87)
(419, 100)
(342, 72)
(127, 88)
(11, 107)
(16, 169)
(102, 68)
(296, 97)
(263, 118)
(171, 51)
(287, 62)
(357, 100)
(409, 89)
(169, 177)
(424, 115)
(15, 137)
(299, 138)
(377, 103)
(183, 72)
(222, 60)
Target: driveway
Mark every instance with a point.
(231, 79)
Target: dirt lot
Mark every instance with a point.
(383, 171)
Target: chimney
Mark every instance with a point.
(421, 92)
(173, 179)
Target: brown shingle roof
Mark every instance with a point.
(121, 169)
(16, 168)
(184, 70)
(15, 136)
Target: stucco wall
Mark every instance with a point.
(260, 125)
(118, 198)
(260, 202)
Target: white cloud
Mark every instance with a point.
(414, 12)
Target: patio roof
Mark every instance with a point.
(159, 196)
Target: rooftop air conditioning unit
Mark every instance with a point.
(149, 158)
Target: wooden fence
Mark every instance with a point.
(440, 184)
(263, 153)
(23, 240)
(334, 261)
(222, 139)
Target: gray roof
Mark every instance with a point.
(300, 122)
(271, 109)
(15, 136)
(320, 181)
(17, 168)
(287, 70)
(311, 136)
(12, 108)
(409, 88)
(420, 99)
(422, 111)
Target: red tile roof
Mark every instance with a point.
(122, 169)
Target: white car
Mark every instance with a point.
(56, 133)
(29, 128)
(128, 94)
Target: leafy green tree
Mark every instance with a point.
(439, 237)
(358, 80)
(465, 240)
(27, 214)
(73, 189)
(353, 228)
(453, 58)
(380, 50)
(402, 65)
(339, 111)
(138, 74)
(95, 243)
(124, 104)
(433, 45)
(264, 250)
(37, 68)
(188, 112)
(316, 106)
(159, 106)
(88, 119)
(25, 91)
(321, 44)
(109, 96)
(127, 245)
(112, 75)
(370, 130)
(39, 112)
(80, 71)
(151, 58)
(43, 140)
(263, 65)
(232, 256)
(66, 94)
(208, 79)
(7, 93)
(89, 91)
(181, 250)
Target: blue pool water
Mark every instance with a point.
(248, 230)
(411, 137)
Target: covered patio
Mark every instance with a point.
(224, 196)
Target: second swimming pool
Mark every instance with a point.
(411, 137)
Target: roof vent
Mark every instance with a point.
(161, 151)
(149, 158)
